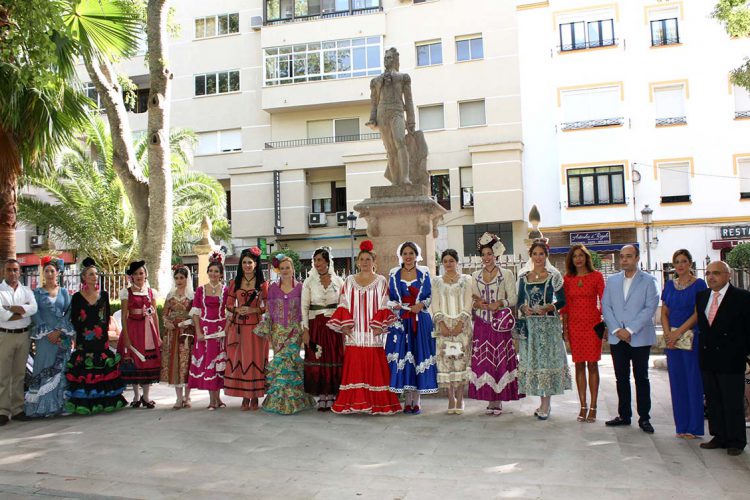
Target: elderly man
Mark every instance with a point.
(724, 322)
(628, 306)
(17, 305)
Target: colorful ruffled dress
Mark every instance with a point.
(143, 333)
(209, 357)
(365, 378)
(282, 324)
(94, 381)
(410, 347)
(247, 354)
(46, 394)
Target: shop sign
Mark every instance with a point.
(591, 237)
(735, 232)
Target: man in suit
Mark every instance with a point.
(628, 306)
(724, 342)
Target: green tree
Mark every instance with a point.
(91, 211)
(292, 254)
(735, 16)
(739, 257)
(596, 259)
(40, 109)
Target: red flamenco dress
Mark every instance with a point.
(143, 333)
(93, 374)
(365, 377)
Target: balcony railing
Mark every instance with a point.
(587, 45)
(292, 18)
(658, 42)
(675, 120)
(604, 122)
(321, 140)
(742, 114)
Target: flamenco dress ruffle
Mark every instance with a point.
(94, 383)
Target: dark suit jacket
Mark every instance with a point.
(725, 344)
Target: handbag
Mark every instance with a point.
(684, 343)
(600, 329)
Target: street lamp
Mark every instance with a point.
(351, 224)
(647, 216)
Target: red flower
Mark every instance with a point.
(98, 331)
(366, 246)
(82, 315)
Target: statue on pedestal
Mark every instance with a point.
(390, 95)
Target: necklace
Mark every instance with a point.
(135, 288)
(680, 286)
(248, 281)
(538, 275)
(214, 288)
(409, 269)
(450, 279)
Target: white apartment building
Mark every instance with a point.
(627, 104)
(278, 92)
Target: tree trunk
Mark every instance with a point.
(8, 205)
(10, 166)
(123, 156)
(158, 248)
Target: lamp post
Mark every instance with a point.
(647, 217)
(351, 223)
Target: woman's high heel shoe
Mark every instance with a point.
(591, 417)
(582, 414)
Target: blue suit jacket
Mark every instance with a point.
(636, 312)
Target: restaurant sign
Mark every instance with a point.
(591, 237)
(728, 232)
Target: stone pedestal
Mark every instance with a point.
(395, 214)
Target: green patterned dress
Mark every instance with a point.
(282, 325)
(543, 363)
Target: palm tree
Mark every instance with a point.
(40, 107)
(91, 211)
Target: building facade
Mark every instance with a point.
(628, 105)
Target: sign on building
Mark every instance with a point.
(591, 237)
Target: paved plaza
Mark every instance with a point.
(163, 453)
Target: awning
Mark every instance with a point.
(32, 259)
(613, 247)
(722, 244)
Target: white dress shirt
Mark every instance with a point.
(21, 296)
(626, 282)
(722, 293)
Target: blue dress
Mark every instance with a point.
(45, 397)
(410, 347)
(685, 379)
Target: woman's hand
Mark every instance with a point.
(417, 308)
(347, 330)
(169, 325)
(444, 331)
(306, 336)
(458, 328)
(125, 340)
(54, 337)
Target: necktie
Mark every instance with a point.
(714, 307)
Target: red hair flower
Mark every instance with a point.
(254, 251)
(366, 246)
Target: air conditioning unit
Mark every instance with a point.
(341, 219)
(256, 23)
(37, 240)
(316, 219)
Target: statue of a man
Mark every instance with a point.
(390, 95)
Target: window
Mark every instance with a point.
(217, 83)
(467, 187)
(596, 186)
(669, 105)
(504, 230)
(573, 36)
(590, 108)
(219, 141)
(339, 197)
(340, 129)
(223, 24)
(429, 53)
(322, 201)
(741, 102)
(471, 113)
(92, 94)
(328, 60)
(440, 185)
(601, 33)
(675, 182)
(279, 10)
(664, 32)
(141, 101)
(743, 168)
(431, 117)
(469, 48)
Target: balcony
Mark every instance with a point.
(603, 122)
(584, 45)
(740, 115)
(277, 12)
(296, 143)
(674, 120)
